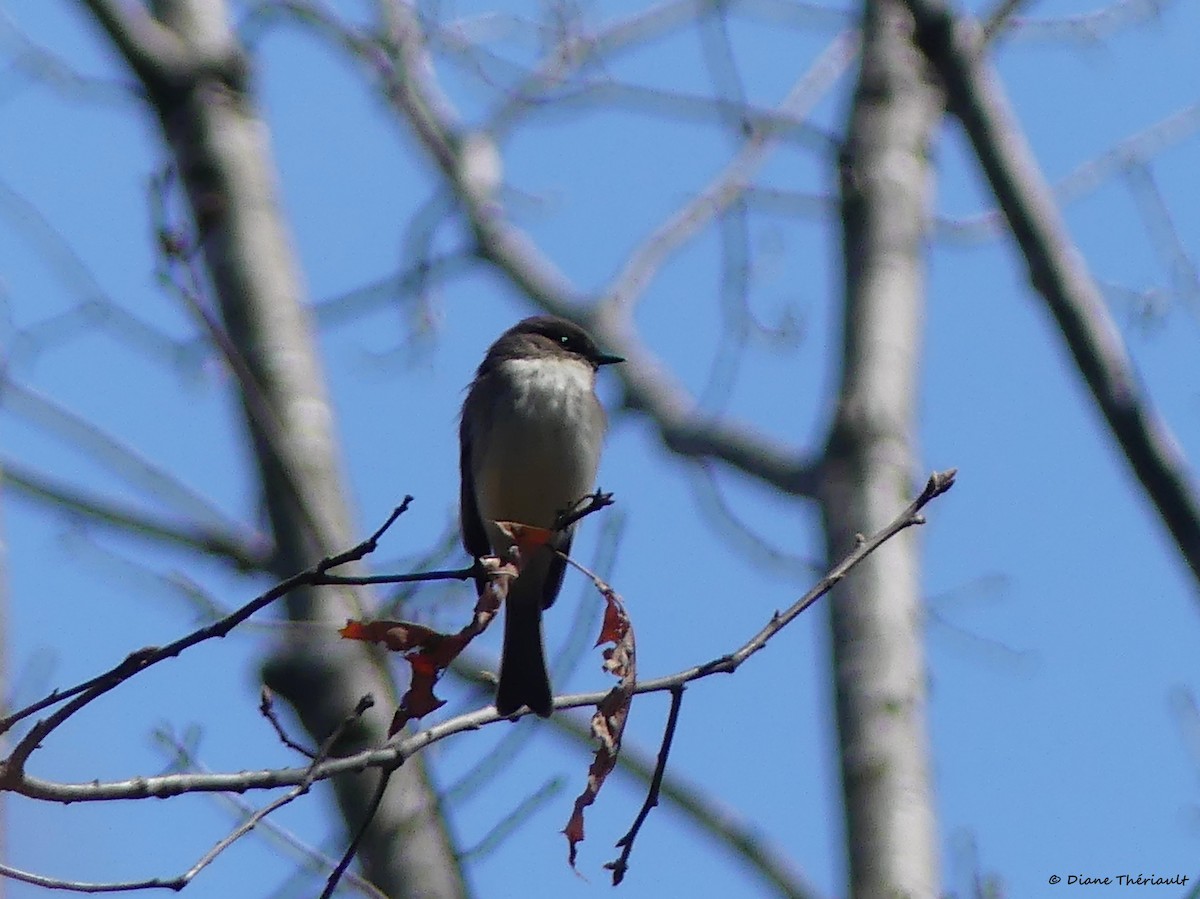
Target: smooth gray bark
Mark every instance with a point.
(870, 461)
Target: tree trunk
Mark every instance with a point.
(875, 615)
(196, 75)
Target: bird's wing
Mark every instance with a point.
(474, 536)
(557, 569)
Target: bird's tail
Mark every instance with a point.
(523, 677)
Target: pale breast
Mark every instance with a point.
(542, 448)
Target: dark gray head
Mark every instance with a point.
(546, 335)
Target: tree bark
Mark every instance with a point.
(196, 76)
(870, 460)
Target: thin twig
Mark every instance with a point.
(310, 856)
(593, 502)
(621, 864)
(252, 821)
(177, 252)
(82, 886)
(728, 830)
(517, 816)
(997, 19)
(451, 574)
(336, 874)
(630, 283)
(267, 707)
(299, 790)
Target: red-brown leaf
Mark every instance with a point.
(608, 721)
(398, 636)
(427, 651)
(527, 538)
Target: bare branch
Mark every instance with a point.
(451, 574)
(727, 829)
(351, 850)
(755, 546)
(136, 662)
(247, 552)
(176, 884)
(261, 814)
(266, 708)
(390, 757)
(1088, 27)
(1135, 150)
(999, 18)
(81, 886)
(311, 857)
(109, 452)
(690, 219)
(1164, 235)
(1058, 272)
(153, 51)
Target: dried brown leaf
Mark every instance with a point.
(608, 721)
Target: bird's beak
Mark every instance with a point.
(607, 359)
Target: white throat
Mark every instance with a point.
(550, 381)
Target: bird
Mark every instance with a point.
(530, 437)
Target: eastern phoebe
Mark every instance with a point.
(530, 442)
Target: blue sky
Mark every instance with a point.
(1062, 626)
